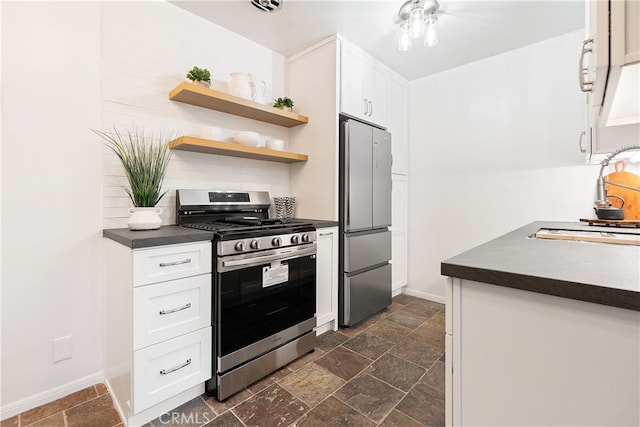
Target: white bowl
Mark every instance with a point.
(275, 144)
(247, 138)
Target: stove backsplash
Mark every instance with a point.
(217, 172)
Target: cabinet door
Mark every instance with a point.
(398, 120)
(327, 279)
(363, 86)
(598, 59)
(352, 70)
(399, 232)
(381, 178)
(375, 91)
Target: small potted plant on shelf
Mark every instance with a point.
(200, 76)
(285, 103)
(145, 159)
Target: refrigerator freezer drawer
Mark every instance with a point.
(362, 250)
(366, 294)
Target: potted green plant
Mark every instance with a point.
(285, 103)
(145, 159)
(200, 76)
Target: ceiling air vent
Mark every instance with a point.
(266, 5)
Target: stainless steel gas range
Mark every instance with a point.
(264, 285)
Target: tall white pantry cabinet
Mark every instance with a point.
(325, 80)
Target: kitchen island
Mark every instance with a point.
(543, 331)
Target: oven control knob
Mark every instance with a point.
(295, 239)
(276, 241)
(254, 244)
(305, 238)
(240, 246)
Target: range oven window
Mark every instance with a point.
(251, 307)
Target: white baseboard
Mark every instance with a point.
(424, 295)
(14, 408)
(326, 327)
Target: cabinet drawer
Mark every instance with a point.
(166, 310)
(171, 262)
(171, 367)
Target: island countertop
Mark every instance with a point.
(601, 273)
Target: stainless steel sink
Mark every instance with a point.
(594, 236)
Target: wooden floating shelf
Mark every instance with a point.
(201, 96)
(201, 145)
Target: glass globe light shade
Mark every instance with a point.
(404, 38)
(416, 22)
(430, 33)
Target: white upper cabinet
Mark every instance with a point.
(610, 75)
(398, 118)
(362, 86)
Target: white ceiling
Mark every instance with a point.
(467, 30)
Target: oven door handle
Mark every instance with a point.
(281, 255)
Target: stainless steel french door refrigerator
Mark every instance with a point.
(365, 217)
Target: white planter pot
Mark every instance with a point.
(144, 218)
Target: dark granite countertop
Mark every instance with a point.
(173, 234)
(601, 273)
(165, 235)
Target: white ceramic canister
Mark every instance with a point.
(144, 218)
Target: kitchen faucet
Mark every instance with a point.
(603, 206)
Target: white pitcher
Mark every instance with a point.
(260, 88)
(240, 85)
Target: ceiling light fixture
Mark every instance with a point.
(266, 5)
(418, 18)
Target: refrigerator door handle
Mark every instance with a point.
(375, 155)
(345, 184)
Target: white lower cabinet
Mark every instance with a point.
(516, 357)
(327, 280)
(159, 336)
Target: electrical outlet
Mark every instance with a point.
(62, 348)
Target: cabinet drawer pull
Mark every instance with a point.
(168, 371)
(327, 234)
(169, 264)
(366, 107)
(173, 310)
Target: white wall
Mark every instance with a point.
(144, 59)
(494, 146)
(51, 198)
(68, 68)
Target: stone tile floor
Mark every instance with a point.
(91, 406)
(387, 371)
